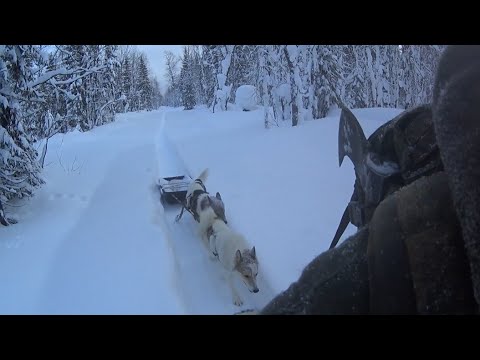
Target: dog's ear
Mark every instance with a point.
(253, 253)
(238, 257)
(217, 195)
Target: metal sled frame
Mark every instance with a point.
(173, 190)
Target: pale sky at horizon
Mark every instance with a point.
(156, 59)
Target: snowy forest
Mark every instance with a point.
(302, 82)
(50, 89)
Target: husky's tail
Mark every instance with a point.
(203, 176)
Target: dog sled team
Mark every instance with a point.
(228, 246)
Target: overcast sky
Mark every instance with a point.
(156, 59)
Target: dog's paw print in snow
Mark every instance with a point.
(69, 196)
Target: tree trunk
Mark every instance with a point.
(3, 219)
(293, 89)
(44, 153)
(294, 114)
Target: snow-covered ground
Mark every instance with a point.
(96, 240)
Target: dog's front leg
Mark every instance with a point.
(213, 247)
(203, 235)
(237, 300)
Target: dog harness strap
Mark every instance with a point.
(193, 201)
(200, 182)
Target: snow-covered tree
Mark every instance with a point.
(223, 55)
(327, 85)
(144, 84)
(317, 76)
(126, 82)
(172, 73)
(187, 81)
(157, 98)
(419, 64)
(109, 83)
(208, 69)
(243, 67)
(293, 55)
(268, 62)
(20, 170)
(50, 89)
(372, 75)
(353, 76)
(93, 89)
(196, 74)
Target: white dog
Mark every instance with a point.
(230, 247)
(234, 254)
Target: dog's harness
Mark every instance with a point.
(190, 204)
(193, 203)
(200, 182)
(192, 200)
